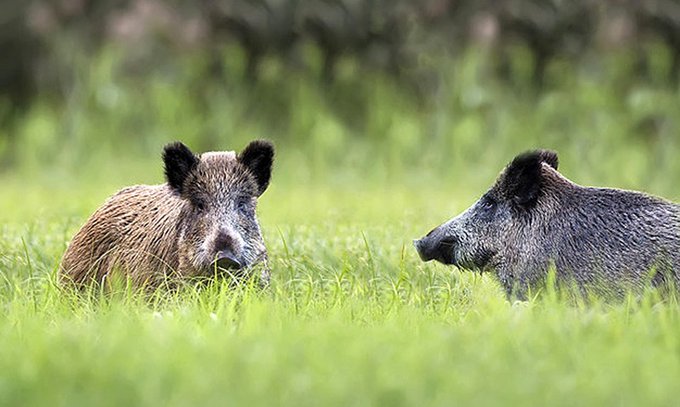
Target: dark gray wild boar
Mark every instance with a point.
(201, 221)
(533, 219)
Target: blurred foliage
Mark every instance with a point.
(390, 35)
(92, 77)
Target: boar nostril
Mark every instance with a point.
(423, 250)
(227, 260)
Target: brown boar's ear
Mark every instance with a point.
(523, 180)
(179, 162)
(258, 157)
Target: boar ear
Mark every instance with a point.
(549, 157)
(523, 179)
(179, 162)
(258, 157)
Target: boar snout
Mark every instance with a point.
(436, 247)
(228, 261)
(226, 256)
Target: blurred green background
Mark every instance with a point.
(438, 92)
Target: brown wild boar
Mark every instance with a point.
(201, 221)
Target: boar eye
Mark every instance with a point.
(199, 205)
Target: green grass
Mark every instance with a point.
(352, 316)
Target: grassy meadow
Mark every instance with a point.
(352, 317)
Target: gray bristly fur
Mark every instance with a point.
(177, 230)
(533, 219)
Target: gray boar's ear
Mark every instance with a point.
(179, 162)
(523, 178)
(549, 157)
(258, 157)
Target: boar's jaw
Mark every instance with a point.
(481, 262)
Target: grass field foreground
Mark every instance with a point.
(352, 317)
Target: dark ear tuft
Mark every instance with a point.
(523, 180)
(549, 157)
(179, 162)
(258, 157)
